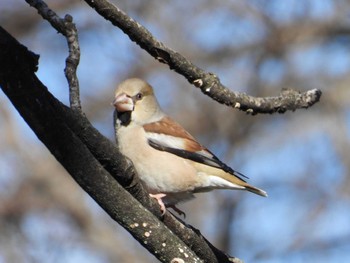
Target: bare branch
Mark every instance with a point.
(46, 116)
(66, 27)
(208, 83)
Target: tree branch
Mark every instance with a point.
(93, 161)
(67, 28)
(43, 113)
(208, 83)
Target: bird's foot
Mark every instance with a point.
(159, 197)
(177, 210)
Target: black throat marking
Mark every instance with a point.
(124, 117)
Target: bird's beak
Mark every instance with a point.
(123, 103)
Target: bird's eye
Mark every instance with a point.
(139, 96)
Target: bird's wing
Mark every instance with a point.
(167, 135)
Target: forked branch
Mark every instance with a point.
(66, 27)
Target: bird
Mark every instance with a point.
(171, 164)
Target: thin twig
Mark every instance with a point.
(208, 83)
(66, 27)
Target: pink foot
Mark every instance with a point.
(159, 197)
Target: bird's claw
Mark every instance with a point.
(159, 197)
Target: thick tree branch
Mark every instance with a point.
(91, 159)
(67, 28)
(209, 83)
(112, 160)
(43, 114)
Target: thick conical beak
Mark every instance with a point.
(123, 102)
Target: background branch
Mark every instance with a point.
(208, 83)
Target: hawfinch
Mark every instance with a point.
(171, 164)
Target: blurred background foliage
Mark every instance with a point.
(255, 46)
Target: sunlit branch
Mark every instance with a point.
(208, 83)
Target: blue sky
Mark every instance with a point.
(281, 157)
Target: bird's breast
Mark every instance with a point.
(158, 170)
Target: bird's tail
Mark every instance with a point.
(255, 190)
(237, 183)
(220, 179)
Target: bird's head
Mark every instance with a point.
(135, 101)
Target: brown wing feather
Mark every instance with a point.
(190, 149)
(169, 127)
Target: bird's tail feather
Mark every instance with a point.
(255, 190)
(238, 183)
(220, 179)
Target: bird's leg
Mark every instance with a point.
(159, 197)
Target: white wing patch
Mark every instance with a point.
(222, 183)
(166, 140)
